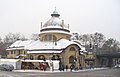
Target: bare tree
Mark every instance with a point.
(84, 39)
(34, 37)
(8, 40)
(111, 45)
(12, 37)
(97, 39)
(1, 45)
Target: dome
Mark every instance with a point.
(54, 21)
(55, 24)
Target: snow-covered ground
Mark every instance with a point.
(58, 70)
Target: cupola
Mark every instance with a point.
(55, 26)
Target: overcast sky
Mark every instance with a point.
(84, 16)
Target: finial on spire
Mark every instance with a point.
(55, 8)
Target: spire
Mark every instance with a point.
(55, 13)
(55, 8)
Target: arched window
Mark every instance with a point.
(55, 57)
(41, 57)
(71, 59)
(54, 38)
(72, 49)
(31, 57)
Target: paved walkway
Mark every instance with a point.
(59, 71)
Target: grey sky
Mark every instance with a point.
(84, 16)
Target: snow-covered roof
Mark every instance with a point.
(38, 46)
(9, 60)
(49, 61)
(29, 52)
(54, 21)
(60, 44)
(19, 44)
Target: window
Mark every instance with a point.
(49, 37)
(19, 52)
(41, 57)
(72, 49)
(31, 57)
(54, 38)
(55, 57)
(12, 52)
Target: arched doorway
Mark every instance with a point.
(71, 59)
